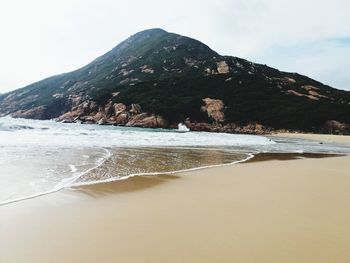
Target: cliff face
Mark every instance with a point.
(158, 79)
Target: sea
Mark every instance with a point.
(41, 157)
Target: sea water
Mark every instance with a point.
(41, 157)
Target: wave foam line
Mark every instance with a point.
(113, 179)
(59, 187)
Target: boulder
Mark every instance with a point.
(119, 108)
(214, 108)
(122, 118)
(135, 109)
(146, 121)
(109, 109)
(222, 67)
(34, 113)
(336, 127)
(98, 116)
(102, 121)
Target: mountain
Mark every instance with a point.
(158, 79)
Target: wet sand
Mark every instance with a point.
(276, 210)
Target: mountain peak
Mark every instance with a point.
(145, 34)
(172, 76)
(152, 31)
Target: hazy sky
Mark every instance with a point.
(42, 38)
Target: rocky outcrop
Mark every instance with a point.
(222, 67)
(113, 114)
(37, 113)
(251, 128)
(146, 121)
(135, 109)
(133, 116)
(121, 119)
(336, 127)
(214, 108)
(119, 108)
(147, 70)
(85, 109)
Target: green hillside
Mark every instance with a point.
(169, 76)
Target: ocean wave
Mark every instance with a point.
(50, 133)
(67, 182)
(113, 179)
(42, 157)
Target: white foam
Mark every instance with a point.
(113, 179)
(182, 128)
(73, 168)
(49, 139)
(63, 184)
(49, 133)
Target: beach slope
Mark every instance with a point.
(268, 211)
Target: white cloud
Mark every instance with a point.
(41, 38)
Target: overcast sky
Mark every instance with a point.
(42, 38)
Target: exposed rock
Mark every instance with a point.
(312, 97)
(102, 121)
(126, 72)
(290, 80)
(98, 116)
(295, 93)
(214, 109)
(252, 128)
(58, 96)
(336, 127)
(135, 109)
(124, 81)
(81, 111)
(314, 91)
(92, 106)
(222, 67)
(76, 99)
(119, 108)
(190, 62)
(146, 121)
(199, 126)
(71, 116)
(115, 94)
(309, 87)
(122, 118)
(147, 70)
(109, 109)
(35, 113)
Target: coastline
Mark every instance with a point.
(270, 211)
(345, 139)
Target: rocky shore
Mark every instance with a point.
(119, 114)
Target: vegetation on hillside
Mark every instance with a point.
(170, 75)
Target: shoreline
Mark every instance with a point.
(274, 210)
(258, 157)
(344, 139)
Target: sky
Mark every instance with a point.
(40, 38)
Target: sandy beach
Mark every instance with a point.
(345, 139)
(267, 211)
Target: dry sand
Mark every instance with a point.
(269, 211)
(318, 137)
